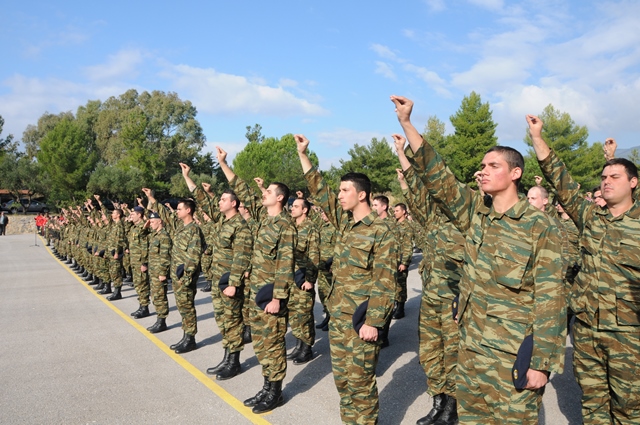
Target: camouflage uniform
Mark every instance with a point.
(364, 264)
(444, 252)
(307, 257)
(404, 234)
(606, 300)
(138, 241)
(327, 243)
(159, 265)
(115, 244)
(511, 287)
(230, 243)
(272, 262)
(186, 250)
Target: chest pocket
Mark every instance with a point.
(511, 259)
(360, 251)
(269, 244)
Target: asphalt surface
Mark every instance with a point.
(70, 357)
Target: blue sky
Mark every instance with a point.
(326, 69)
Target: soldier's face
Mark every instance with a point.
(225, 203)
(269, 197)
(398, 213)
(348, 196)
(155, 224)
(615, 185)
(297, 209)
(136, 217)
(534, 198)
(495, 175)
(182, 211)
(379, 207)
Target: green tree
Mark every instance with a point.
(569, 141)
(274, 160)
(377, 161)
(474, 135)
(22, 177)
(33, 134)
(6, 144)
(634, 156)
(116, 183)
(68, 156)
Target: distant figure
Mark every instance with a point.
(4, 221)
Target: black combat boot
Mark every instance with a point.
(294, 353)
(214, 370)
(117, 294)
(250, 402)
(439, 402)
(137, 311)
(88, 277)
(207, 287)
(231, 368)
(84, 274)
(272, 400)
(246, 335)
(304, 355)
(94, 280)
(324, 323)
(449, 415)
(159, 326)
(189, 344)
(142, 312)
(100, 284)
(398, 311)
(179, 343)
(106, 289)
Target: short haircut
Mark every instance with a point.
(360, 182)
(629, 167)
(119, 212)
(403, 206)
(189, 203)
(233, 196)
(513, 158)
(282, 189)
(544, 193)
(305, 204)
(383, 200)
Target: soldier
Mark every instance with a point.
(405, 250)
(114, 250)
(605, 297)
(186, 250)
(328, 235)
(159, 270)
(441, 269)
(302, 295)
(230, 243)
(138, 241)
(272, 263)
(363, 267)
(246, 308)
(511, 286)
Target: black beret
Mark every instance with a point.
(223, 283)
(454, 306)
(521, 365)
(359, 317)
(139, 210)
(154, 215)
(180, 271)
(299, 277)
(265, 295)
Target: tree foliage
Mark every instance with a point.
(569, 141)
(273, 159)
(377, 161)
(474, 135)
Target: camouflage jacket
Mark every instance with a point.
(364, 259)
(231, 249)
(511, 284)
(605, 293)
(405, 242)
(138, 241)
(272, 259)
(159, 253)
(443, 252)
(116, 241)
(307, 250)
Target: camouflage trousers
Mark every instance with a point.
(324, 285)
(102, 268)
(184, 290)
(401, 286)
(301, 314)
(205, 263)
(228, 314)
(606, 366)
(141, 283)
(268, 331)
(115, 271)
(126, 263)
(485, 391)
(438, 345)
(159, 295)
(246, 307)
(353, 362)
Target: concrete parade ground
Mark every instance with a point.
(69, 356)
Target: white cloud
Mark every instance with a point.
(219, 93)
(122, 65)
(435, 5)
(384, 52)
(488, 4)
(385, 70)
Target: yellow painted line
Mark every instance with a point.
(200, 376)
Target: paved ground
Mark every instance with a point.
(71, 357)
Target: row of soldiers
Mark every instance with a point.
(499, 272)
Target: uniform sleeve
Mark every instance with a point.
(241, 255)
(285, 263)
(406, 246)
(165, 255)
(383, 287)
(455, 199)
(193, 250)
(325, 198)
(550, 316)
(313, 255)
(247, 196)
